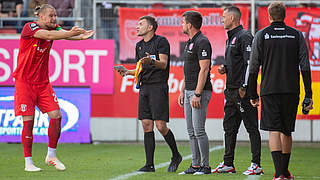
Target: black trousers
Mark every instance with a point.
(236, 110)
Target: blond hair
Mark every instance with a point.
(40, 9)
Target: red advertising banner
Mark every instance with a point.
(307, 20)
(124, 101)
(169, 21)
(72, 63)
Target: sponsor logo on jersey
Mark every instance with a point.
(279, 29)
(41, 50)
(33, 26)
(286, 36)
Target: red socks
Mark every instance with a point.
(27, 138)
(54, 132)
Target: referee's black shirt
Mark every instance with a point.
(237, 55)
(280, 50)
(155, 46)
(198, 48)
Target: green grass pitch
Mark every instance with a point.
(106, 161)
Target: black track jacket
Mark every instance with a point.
(280, 50)
(237, 54)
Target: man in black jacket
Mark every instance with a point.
(237, 106)
(280, 50)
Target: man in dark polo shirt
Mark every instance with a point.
(196, 91)
(153, 51)
(237, 106)
(280, 50)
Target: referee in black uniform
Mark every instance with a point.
(153, 51)
(280, 50)
(237, 106)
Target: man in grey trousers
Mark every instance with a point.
(196, 91)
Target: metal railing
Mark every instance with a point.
(78, 20)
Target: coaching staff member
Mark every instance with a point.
(279, 50)
(196, 91)
(237, 106)
(153, 51)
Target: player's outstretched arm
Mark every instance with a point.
(88, 34)
(56, 35)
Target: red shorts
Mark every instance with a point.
(27, 96)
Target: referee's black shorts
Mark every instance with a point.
(278, 112)
(154, 102)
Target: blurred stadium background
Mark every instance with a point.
(100, 106)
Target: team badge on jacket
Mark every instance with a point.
(190, 46)
(234, 40)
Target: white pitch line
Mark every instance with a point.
(313, 177)
(253, 177)
(126, 176)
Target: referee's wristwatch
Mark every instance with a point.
(244, 87)
(197, 95)
(152, 62)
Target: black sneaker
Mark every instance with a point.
(191, 170)
(175, 161)
(203, 170)
(147, 168)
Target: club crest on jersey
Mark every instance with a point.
(23, 107)
(266, 36)
(190, 46)
(33, 26)
(248, 48)
(234, 40)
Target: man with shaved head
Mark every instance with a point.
(237, 106)
(32, 86)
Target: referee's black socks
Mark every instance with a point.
(172, 143)
(285, 158)
(149, 146)
(276, 156)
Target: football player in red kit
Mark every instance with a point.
(32, 86)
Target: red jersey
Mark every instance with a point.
(33, 58)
